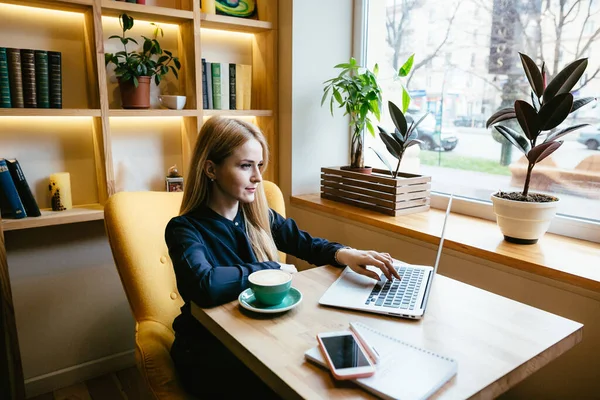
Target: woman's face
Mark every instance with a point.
(238, 175)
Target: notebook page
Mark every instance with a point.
(404, 371)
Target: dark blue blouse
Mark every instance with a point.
(212, 257)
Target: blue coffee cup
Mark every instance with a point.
(270, 286)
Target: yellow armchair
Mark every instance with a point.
(135, 224)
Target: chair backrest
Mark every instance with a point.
(135, 224)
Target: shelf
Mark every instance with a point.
(113, 8)
(61, 5)
(48, 112)
(90, 212)
(222, 22)
(238, 113)
(153, 113)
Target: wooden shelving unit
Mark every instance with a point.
(89, 91)
(238, 113)
(90, 212)
(146, 12)
(213, 21)
(153, 113)
(48, 112)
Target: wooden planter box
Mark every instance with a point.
(406, 194)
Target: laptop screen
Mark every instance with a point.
(439, 254)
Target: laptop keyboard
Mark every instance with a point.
(396, 293)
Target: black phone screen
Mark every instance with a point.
(344, 352)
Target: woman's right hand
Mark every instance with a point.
(288, 268)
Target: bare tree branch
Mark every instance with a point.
(431, 56)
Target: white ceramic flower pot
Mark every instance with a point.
(523, 222)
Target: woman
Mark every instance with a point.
(225, 231)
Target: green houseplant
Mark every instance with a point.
(524, 217)
(404, 135)
(359, 94)
(135, 69)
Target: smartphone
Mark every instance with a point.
(346, 357)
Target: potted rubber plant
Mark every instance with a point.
(523, 217)
(356, 90)
(135, 69)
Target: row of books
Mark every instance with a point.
(16, 199)
(30, 78)
(226, 86)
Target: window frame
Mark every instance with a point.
(578, 228)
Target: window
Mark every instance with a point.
(464, 81)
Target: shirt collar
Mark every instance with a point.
(207, 212)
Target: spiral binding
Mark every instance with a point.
(404, 343)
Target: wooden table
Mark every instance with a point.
(497, 342)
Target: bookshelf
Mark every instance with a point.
(106, 148)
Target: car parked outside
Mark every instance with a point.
(475, 121)
(426, 132)
(590, 139)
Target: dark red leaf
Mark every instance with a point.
(528, 119)
(538, 153)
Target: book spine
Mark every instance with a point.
(55, 78)
(204, 86)
(10, 202)
(216, 85)
(141, 1)
(232, 79)
(209, 87)
(208, 6)
(41, 79)
(4, 82)
(15, 78)
(18, 177)
(28, 75)
(224, 86)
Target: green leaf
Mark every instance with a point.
(538, 153)
(405, 69)
(405, 100)
(147, 45)
(174, 72)
(162, 59)
(376, 70)
(518, 140)
(418, 122)
(338, 96)
(392, 146)
(177, 62)
(135, 81)
(528, 119)
(577, 104)
(114, 37)
(370, 127)
(564, 81)
(398, 118)
(501, 115)
(555, 111)
(384, 161)
(132, 40)
(157, 79)
(108, 57)
(325, 93)
(412, 142)
(167, 52)
(563, 132)
(534, 75)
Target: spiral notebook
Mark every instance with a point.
(404, 371)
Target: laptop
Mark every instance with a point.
(405, 298)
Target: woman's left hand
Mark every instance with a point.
(358, 260)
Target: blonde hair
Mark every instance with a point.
(218, 139)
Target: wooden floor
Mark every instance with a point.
(126, 384)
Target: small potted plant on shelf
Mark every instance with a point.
(523, 217)
(135, 69)
(359, 94)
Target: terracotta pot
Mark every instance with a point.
(132, 97)
(363, 170)
(522, 222)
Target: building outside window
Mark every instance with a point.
(462, 82)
